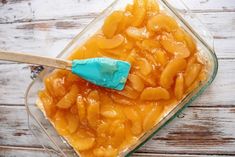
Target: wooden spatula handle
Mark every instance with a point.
(34, 59)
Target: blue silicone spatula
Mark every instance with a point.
(105, 72)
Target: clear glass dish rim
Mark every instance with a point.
(173, 113)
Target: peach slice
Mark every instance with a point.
(129, 92)
(61, 122)
(153, 94)
(192, 73)
(81, 107)
(178, 49)
(83, 144)
(152, 117)
(190, 42)
(139, 12)
(182, 36)
(132, 57)
(69, 99)
(161, 57)
(93, 110)
(145, 66)
(105, 152)
(148, 81)
(99, 152)
(48, 81)
(179, 35)
(103, 128)
(58, 85)
(111, 23)
(133, 115)
(112, 43)
(118, 135)
(126, 21)
(136, 82)
(179, 87)
(137, 33)
(111, 152)
(150, 44)
(120, 99)
(161, 22)
(73, 122)
(108, 111)
(152, 6)
(47, 101)
(172, 68)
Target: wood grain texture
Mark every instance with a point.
(45, 38)
(195, 131)
(14, 81)
(24, 153)
(29, 58)
(26, 10)
(50, 37)
(171, 155)
(38, 152)
(206, 128)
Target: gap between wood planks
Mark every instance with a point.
(94, 15)
(79, 8)
(27, 20)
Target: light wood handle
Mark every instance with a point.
(34, 59)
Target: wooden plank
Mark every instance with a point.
(13, 83)
(202, 134)
(213, 5)
(23, 152)
(43, 38)
(218, 94)
(172, 155)
(14, 127)
(25, 10)
(50, 37)
(16, 152)
(215, 21)
(210, 5)
(195, 131)
(36, 152)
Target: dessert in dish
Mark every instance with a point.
(166, 66)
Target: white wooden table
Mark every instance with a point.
(206, 128)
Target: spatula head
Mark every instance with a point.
(106, 72)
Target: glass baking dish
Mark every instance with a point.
(43, 130)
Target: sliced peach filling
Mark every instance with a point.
(165, 67)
